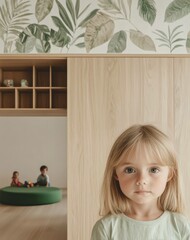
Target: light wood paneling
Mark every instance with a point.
(43, 222)
(105, 96)
(182, 120)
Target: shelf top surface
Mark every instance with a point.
(29, 62)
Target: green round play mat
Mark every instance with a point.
(21, 196)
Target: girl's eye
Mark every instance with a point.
(154, 170)
(129, 170)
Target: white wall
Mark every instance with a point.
(26, 143)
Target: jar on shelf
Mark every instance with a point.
(8, 82)
(24, 83)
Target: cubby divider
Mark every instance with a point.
(45, 92)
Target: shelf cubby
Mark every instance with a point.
(59, 77)
(46, 92)
(59, 98)
(25, 98)
(16, 74)
(42, 98)
(42, 76)
(7, 98)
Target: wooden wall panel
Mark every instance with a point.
(182, 120)
(105, 96)
(157, 74)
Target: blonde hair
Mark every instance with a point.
(157, 145)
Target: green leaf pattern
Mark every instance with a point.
(14, 16)
(147, 10)
(177, 9)
(43, 8)
(71, 10)
(118, 42)
(170, 39)
(34, 36)
(119, 26)
(142, 41)
(188, 42)
(113, 7)
(98, 31)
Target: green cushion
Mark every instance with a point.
(21, 196)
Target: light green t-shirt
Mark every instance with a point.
(169, 226)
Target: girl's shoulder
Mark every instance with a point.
(179, 219)
(109, 227)
(108, 222)
(180, 223)
(104, 226)
(111, 218)
(178, 216)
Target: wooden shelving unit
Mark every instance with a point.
(46, 93)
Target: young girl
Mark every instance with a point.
(141, 196)
(15, 180)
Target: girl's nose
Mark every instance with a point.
(141, 183)
(142, 179)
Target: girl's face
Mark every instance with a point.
(141, 179)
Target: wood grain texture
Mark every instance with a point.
(105, 96)
(34, 222)
(182, 121)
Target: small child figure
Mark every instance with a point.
(141, 195)
(15, 180)
(43, 178)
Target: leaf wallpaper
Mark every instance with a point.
(98, 26)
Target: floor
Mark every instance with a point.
(44, 222)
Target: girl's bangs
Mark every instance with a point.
(153, 151)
